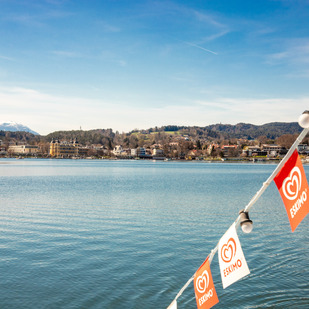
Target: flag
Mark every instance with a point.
(204, 288)
(293, 187)
(233, 265)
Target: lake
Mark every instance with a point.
(129, 234)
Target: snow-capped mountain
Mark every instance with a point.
(13, 127)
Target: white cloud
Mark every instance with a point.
(257, 111)
(215, 36)
(296, 52)
(108, 28)
(112, 57)
(209, 19)
(47, 113)
(65, 53)
(7, 58)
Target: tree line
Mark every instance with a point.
(180, 139)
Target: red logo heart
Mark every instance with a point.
(202, 282)
(228, 250)
(292, 184)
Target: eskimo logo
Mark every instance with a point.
(202, 282)
(292, 184)
(228, 250)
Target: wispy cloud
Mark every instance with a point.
(209, 19)
(7, 58)
(25, 19)
(37, 15)
(65, 53)
(257, 111)
(296, 51)
(107, 27)
(40, 111)
(215, 36)
(213, 29)
(112, 57)
(56, 2)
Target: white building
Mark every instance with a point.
(303, 148)
(134, 152)
(23, 149)
(272, 150)
(156, 152)
(119, 151)
(139, 152)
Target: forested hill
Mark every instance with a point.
(244, 130)
(271, 130)
(212, 132)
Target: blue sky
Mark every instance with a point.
(124, 64)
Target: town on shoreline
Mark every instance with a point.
(155, 145)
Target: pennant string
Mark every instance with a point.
(185, 286)
(254, 199)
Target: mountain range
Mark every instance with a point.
(15, 127)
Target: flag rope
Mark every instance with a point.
(257, 195)
(185, 286)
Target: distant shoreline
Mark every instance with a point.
(206, 160)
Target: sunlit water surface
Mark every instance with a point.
(129, 234)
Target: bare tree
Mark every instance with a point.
(286, 140)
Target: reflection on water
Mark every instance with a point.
(128, 234)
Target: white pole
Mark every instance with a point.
(181, 291)
(278, 168)
(304, 122)
(267, 182)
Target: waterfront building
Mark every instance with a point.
(229, 150)
(211, 148)
(134, 152)
(192, 154)
(83, 151)
(101, 150)
(157, 152)
(274, 150)
(303, 148)
(23, 149)
(2, 149)
(141, 152)
(63, 149)
(252, 151)
(118, 150)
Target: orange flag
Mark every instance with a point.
(204, 288)
(293, 187)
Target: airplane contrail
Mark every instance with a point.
(202, 48)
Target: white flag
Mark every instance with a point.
(233, 265)
(173, 305)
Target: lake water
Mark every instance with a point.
(129, 234)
